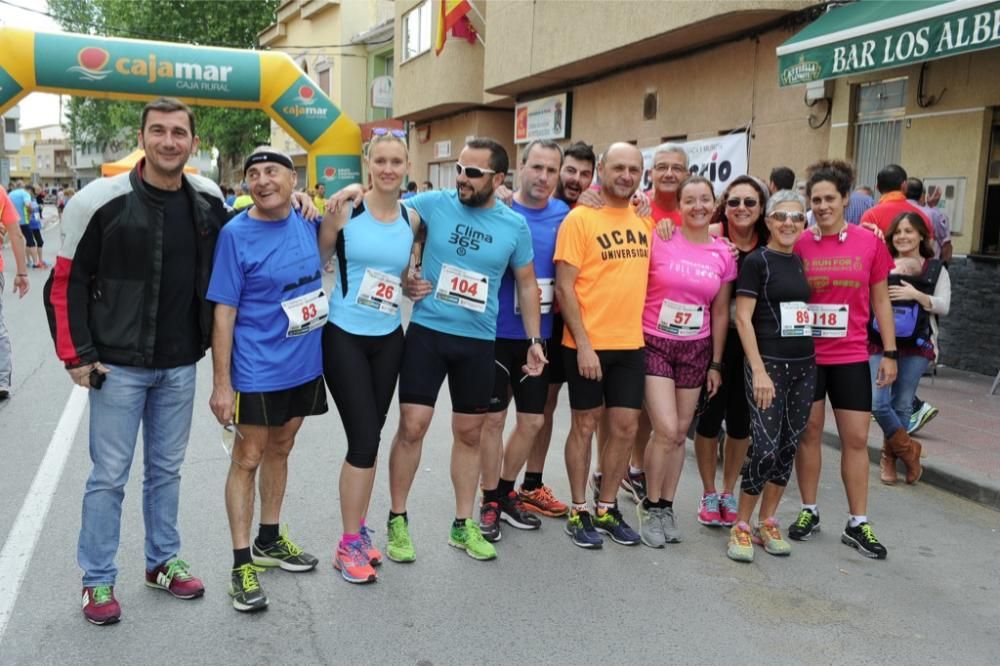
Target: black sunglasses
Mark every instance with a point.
(748, 202)
(471, 171)
(794, 216)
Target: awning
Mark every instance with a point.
(869, 35)
(126, 163)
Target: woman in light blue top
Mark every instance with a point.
(363, 338)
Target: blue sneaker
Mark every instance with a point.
(610, 522)
(580, 528)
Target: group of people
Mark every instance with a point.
(653, 309)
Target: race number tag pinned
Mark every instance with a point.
(546, 294)
(380, 291)
(306, 313)
(464, 288)
(829, 320)
(796, 320)
(681, 319)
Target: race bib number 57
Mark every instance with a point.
(680, 319)
(464, 288)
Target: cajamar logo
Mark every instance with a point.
(92, 61)
(306, 96)
(329, 173)
(803, 71)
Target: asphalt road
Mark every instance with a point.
(542, 601)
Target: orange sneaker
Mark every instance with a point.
(351, 560)
(374, 554)
(541, 500)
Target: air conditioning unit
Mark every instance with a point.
(816, 90)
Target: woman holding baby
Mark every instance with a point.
(919, 287)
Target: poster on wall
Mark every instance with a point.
(948, 196)
(545, 118)
(719, 159)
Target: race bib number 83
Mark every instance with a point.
(306, 313)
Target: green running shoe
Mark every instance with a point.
(399, 547)
(471, 540)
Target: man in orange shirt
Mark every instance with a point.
(602, 263)
(11, 221)
(891, 183)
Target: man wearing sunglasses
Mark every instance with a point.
(472, 239)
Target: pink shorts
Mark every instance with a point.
(684, 361)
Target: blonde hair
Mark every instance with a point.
(383, 138)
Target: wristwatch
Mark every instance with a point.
(536, 341)
(891, 353)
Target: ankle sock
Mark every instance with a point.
(857, 520)
(577, 507)
(603, 507)
(491, 495)
(459, 522)
(647, 505)
(395, 515)
(241, 556)
(811, 507)
(505, 488)
(267, 534)
(665, 504)
(348, 539)
(532, 481)
(634, 471)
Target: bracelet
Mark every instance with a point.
(715, 365)
(22, 275)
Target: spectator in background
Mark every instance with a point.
(22, 197)
(243, 199)
(426, 186)
(858, 205)
(319, 196)
(35, 230)
(866, 190)
(411, 190)
(230, 194)
(891, 184)
(782, 178)
(940, 229)
(10, 221)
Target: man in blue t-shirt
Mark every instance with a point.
(539, 174)
(472, 240)
(267, 360)
(22, 200)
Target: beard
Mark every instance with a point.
(478, 197)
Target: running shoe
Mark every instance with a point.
(650, 526)
(516, 515)
(353, 562)
(580, 528)
(244, 588)
(541, 500)
(727, 510)
(174, 577)
(708, 510)
(595, 487)
(635, 484)
(470, 539)
(610, 522)
(740, 543)
(921, 417)
(489, 521)
(768, 534)
(671, 533)
(399, 547)
(100, 606)
(283, 553)
(804, 526)
(863, 539)
(374, 554)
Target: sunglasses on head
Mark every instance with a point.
(471, 171)
(793, 216)
(748, 202)
(383, 131)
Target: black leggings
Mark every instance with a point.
(730, 402)
(361, 372)
(777, 429)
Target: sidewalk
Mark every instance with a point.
(961, 445)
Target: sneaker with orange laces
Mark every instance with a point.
(768, 534)
(353, 563)
(541, 500)
(740, 543)
(374, 554)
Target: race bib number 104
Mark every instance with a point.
(464, 288)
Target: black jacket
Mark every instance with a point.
(102, 298)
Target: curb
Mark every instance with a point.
(957, 480)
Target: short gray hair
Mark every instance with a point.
(545, 144)
(672, 148)
(785, 196)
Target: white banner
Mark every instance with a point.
(720, 159)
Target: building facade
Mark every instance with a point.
(10, 142)
(694, 70)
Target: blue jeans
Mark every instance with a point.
(162, 399)
(893, 404)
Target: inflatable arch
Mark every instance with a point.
(138, 70)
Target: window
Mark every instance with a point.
(990, 243)
(324, 80)
(10, 125)
(442, 174)
(878, 133)
(25, 163)
(417, 31)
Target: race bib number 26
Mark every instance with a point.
(380, 291)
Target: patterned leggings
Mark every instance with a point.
(777, 429)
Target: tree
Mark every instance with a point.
(109, 124)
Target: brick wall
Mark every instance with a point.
(970, 334)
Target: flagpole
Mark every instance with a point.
(480, 17)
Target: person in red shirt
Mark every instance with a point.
(670, 168)
(11, 220)
(891, 183)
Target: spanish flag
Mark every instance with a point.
(452, 12)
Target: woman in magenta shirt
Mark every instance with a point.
(684, 325)
(847, 268)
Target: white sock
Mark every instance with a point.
(811, 507)
(857, 520)
(634, 471)
(580, 507)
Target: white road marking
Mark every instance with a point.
(23, 536)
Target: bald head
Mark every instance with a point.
(620, 168)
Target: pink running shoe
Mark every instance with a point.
(727, 509)
(708, 510)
